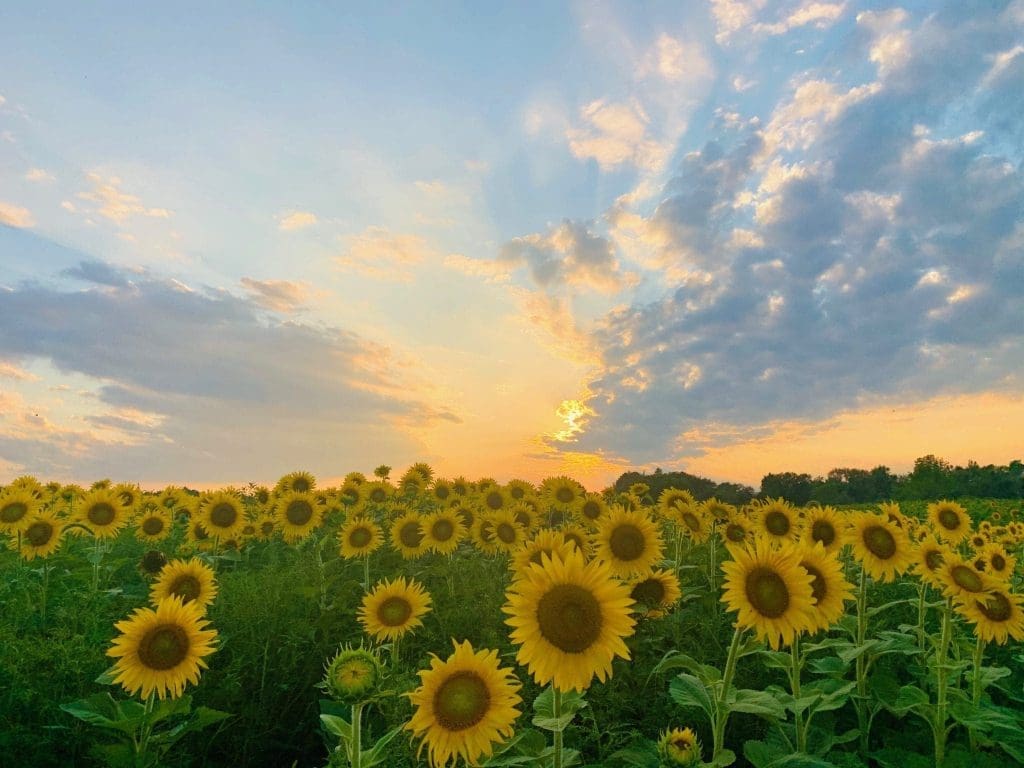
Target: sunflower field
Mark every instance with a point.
(434, 622)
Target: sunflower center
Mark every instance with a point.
(777, 523)
(394, 612)
(127, 499)
(996, 607)
(223, 515)
(300, 484)
(819, 587)
(299, 512)
(267, 527)
(933, 559)
(359, 537)
(767, 592)
(564, 495)
(649, 592)
(627, 542)
(187, 587)
(199, 532)
(151, 526)
(442, 492)
(505, 532)
(487, 532)
(153, 561)
(461, 701)
(442, 530)
(39, 533)
(879, 542)
(410, 534)
(997, 561)
(591, 510)
(569, 617)
(351, 495)
(966, 578)
(691, 521)
(163, 647)
(949, 519)
(823, 531)
(13, 512)
(377, 495)
(523, 518)
(101, 514)
(735, 532)
(494, 500)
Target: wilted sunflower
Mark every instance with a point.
(161, 650)
(996, 615)
(959, 578)
(824, 526)
(297, 514)
(359, 536)
(407, 535)
(191, 580)
(443, 531)
(18, 507)
(222, 514)
(464, 705)
(928, 559)
(679, 746)
(829, 587)
(41, 537)
(154, 524)
(296, 482)
(629, 542)
(777, 519)
(545, 542)
(882, 548)
(770, 591)
(950, 521)
(569, 619)
(101, 512)
(655, 593)
(393, 608)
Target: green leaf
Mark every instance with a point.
(828, 665)
(687, 691)
(893, 757)
(644, 756)
(376, 753)
(338, 726)
(544, 709)
(776, 659)
(523, 749)
(725, 757)
(755, 702)
(886, 606)
(834, 694)
(102, 710)
(910, 697)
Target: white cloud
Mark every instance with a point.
(293, 220)
(383, 255)
(116, 205)
(614, 134)
(278, 295)
(15, 216)
(675, 61)
(39, 175)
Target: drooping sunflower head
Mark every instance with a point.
(464, 705)
(777, 519)
(160, 651)
(629, 541)
(823, 525)
(569, 619)
(353, 675)
(297, 514)
(407, 535)
(359, 536)
(222, 514)
(950, 521)
(679, 747)
(18, 507)
(769, 590)
(192, 581)
(882, 548)
(102, 513)
(295, 482)
(829, 586)
(393, 608)
(655, 593)
(41, 537)
(997, 615)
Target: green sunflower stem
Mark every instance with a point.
(979, 652)
(922, 595)
(356, 745)
(794, 680)
(557, 710)
(862, 681)
(942, 675)
(721, 707)
(145, 730)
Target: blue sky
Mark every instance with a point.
(527, 240)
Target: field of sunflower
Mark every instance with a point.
(440, 622)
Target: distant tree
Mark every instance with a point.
(932, 478)
(792, 487)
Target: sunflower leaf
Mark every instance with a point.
(754, 702)
(687, 691)
(544, 708)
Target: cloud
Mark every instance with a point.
(116, 205)
(39, 175)
(614, 134)
(277, 295)
(11, 371)
(15, 216)
(289, 222)
(734, 16)
(675, 61)
(380, 254)
(213, 388)
(98, 272)
(491, 271)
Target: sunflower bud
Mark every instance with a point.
(354, 674)
(679, 746)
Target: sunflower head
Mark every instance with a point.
(152, 562)
(777, 519)
(679, 747)
(629, 541)
(950, 521)
(222, 514)
(656, 593)
(442, 531)
(883, 548)
(297, 514)
(191, 581)
(823, 525)
(102, 513)
(393, 608)
(997, 615)
(353, 675)
(359, 536)
(407, 535)
(41, 537)
(295, 482)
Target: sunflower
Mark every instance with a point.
(482, 535)
(466, 512)
(154, 524)
(464, 705)
(737, 531)
(494, 499)
(161, 650)
(296, 482)
(359, 536)
(412, 483)
(352, 494)
(424, 470)
(569, 619)
(101, 512)
(407, 535)
(681, 747)
(42, 536)
(823, 525)
(265, 525)
(297, 515)
(509, 535)
(377, 492)
(353, 675)
(222, 514)
(152, 562)
(999, 562)
(718, 510)
(950, 521)
(694, 522)
(770, 591)
(393, 608)
(882, 548)
(442, 531)
(593, 509)
(671, 498)
(519, 489)
(562, 494)
(777, 520)
(959, 578)
(190, 580)
(197, 536)
(18, 507)
(629, 542)
(928, 559)
(130, 495)
(545, 542)
(996, 615)
(171, 498)
(461, 486)
(829, 587)
(441, 490)
(579, 537)
(525, 514)
(657, 592)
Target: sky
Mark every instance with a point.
(511, 240)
